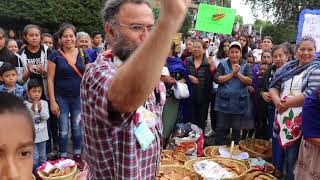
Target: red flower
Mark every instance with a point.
(295, 131)
(289, 124)
(298, 121)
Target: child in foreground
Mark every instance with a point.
(40, 114)
(16, 139)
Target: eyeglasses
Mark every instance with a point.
(138, 27)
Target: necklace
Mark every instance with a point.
(291, 85)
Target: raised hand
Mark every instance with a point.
(173, 12)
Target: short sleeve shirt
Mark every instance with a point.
(66, 80)
(110, 146)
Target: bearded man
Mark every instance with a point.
(122, 98)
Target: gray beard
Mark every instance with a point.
(122, 48)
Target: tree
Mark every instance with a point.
(280, 32)
(284, 11)
(84, 14)
(239, 19)
(260, 24)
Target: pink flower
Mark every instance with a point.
(289, 124)
(298, 121)
(295, 131)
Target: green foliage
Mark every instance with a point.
(280, 32)
(84, 14)
(49, 14)
(284, 11)
(260, 23)
(239, 19)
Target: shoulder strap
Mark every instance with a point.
(69, 62)
(83, 57)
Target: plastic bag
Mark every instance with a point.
(180, 90)
(187, 138)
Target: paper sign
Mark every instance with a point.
(206, 20)
(309, 25)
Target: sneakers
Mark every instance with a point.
(77, 159)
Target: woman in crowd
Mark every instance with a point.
(188, 50)
(6, 56)
(233, 76)
(222, 54)
(84, 45)
(177, 73)
(266, 57)
(34, 57)
(267, 43)
(12, 45)
(12, 34)
(47, 39)
(247, 122)
(260, 112)
(200, 69)
(291, 84)
(244, 41)
(65, 69)
(310, 143)
(266, 109)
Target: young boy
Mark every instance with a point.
(16, 138)
(40, 114)
(9, 77)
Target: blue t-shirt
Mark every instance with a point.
(66, 80)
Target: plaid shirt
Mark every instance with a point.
(19, 91)
(110, 146)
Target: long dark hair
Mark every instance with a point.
(6, 55)
(62, 29)
(221, 54)
(245, 49)
(173, 49)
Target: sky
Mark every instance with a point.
(245, 11)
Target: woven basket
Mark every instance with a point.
(194, 176)
(65, 177)
(257, 148)
(222, 161)
(213, 151)
(183, 159)
(253, 174)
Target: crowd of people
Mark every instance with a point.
(98, 88)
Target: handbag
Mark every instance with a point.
(181, 90)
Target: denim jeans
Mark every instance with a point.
(52, 143)
(226, 121)
(40, 155)
(72, 107)
(271, 118)
(290, 158)
(277, 154)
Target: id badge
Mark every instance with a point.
(144, 135)
(147, 116)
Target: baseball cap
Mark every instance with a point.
(235, 43)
